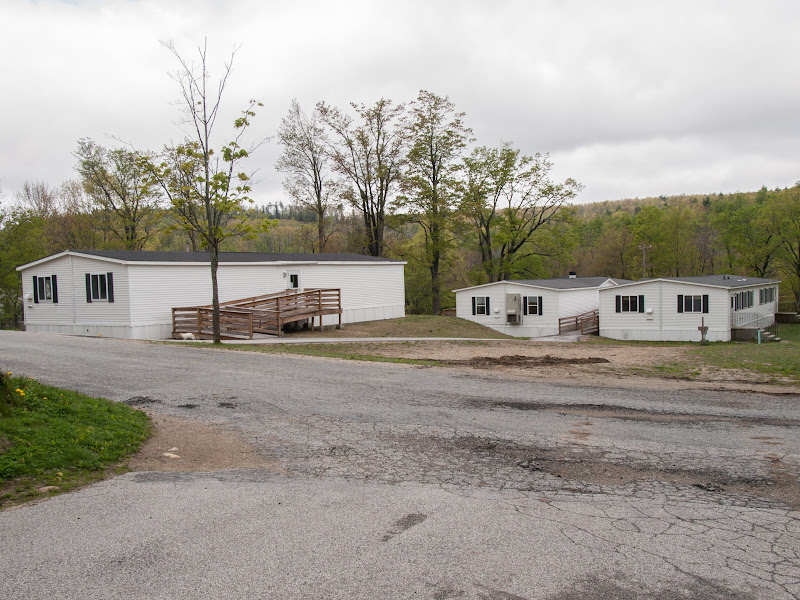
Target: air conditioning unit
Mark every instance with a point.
(513, 309)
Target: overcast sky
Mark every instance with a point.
(632, 99)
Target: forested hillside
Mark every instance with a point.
(755, 233)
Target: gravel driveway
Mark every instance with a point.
(398, 482)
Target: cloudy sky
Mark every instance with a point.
(632, 99)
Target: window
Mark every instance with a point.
(743, 300)
(531, 305)
(693, 304)
(766, 295)
(99, 287)
(480, 305)
(630, 303)
(45, 288)
(294, 281)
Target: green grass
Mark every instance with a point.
(780, 359)
(777, 359)
(408, 326)
(55, 437)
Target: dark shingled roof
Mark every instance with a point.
(566, 283)
(727, 281)
(228, 257)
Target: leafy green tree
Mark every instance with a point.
(22, 240)
(783, 210)
(369, 152)
(510, 198)
(208, 191)
(647, 231)
(437, 136)
(119, 183)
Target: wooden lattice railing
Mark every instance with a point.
(267, 314)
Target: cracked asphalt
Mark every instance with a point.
(408, 482)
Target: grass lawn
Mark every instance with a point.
(774, 358)
(54, 438)
(779, 359)
(408, 326)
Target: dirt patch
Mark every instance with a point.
(607, 365)
(184, 445)
(518, 360)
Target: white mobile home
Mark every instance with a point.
(131, 294)
(530, 307)
(673, 308)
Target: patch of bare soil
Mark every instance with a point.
(582, 364)
(517, 360)
(183, 445)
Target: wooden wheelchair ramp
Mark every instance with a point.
(267, 314)
(588, 322)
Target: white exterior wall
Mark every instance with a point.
(665, 323)
(144, 294)
(555, 305)
(73, 315)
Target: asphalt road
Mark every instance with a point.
(409, 482)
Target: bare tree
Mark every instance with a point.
(370, 153)
(39, 198)
(208, 191)
(305, 162)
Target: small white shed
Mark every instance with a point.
(131, 294)
(530, 307)
(673, 308)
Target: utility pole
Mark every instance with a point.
(644, 248)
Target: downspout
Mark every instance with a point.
(660, 306)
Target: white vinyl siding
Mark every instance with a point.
(144, 294)
(554, 305)
(369, 291)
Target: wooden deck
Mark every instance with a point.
(588, 322)
(267, 314)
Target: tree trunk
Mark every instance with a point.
(213, 251)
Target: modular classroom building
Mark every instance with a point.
(130, 294)
(674, 308)
(531, 307)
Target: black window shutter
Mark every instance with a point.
(641, 303)
(488, 312)
(524, 305)
(619, 304)
(88, 288)
(680, 303)
(705, 303)
(35, 290)
(54, 288)
(473, 305)
(540, 305)
(110, 285)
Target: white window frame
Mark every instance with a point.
(693, 303)
(289, 277)
(100, 289)
(633, 304)
(45, 290)
(480, 306)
